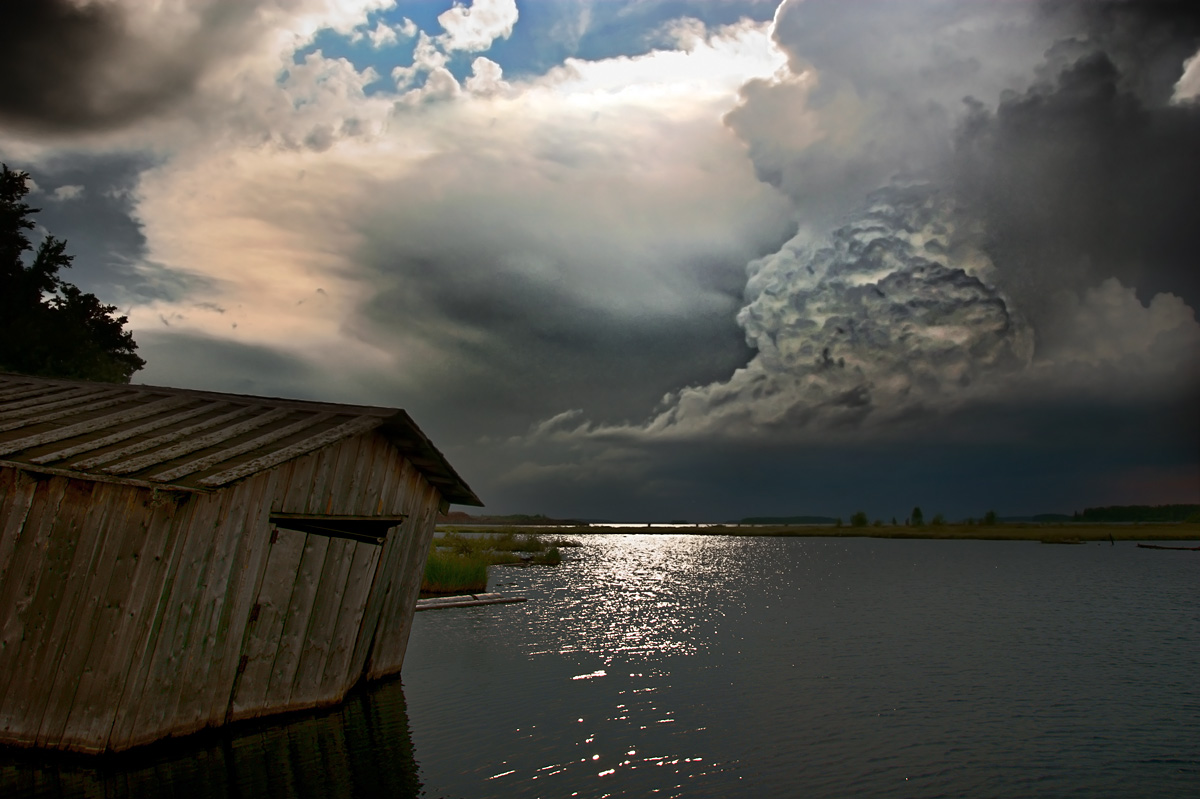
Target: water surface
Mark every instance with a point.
(706, 666)
(713, 666)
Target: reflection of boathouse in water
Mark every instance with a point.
(172, 560)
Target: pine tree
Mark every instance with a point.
(47, 325)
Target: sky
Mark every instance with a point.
(650, 260)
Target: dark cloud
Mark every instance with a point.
(69, 67)
(1081, 179)
(98, 225)
(1015, 459)
(191, 361)
(896, 333)
(56, 58)
(510, 348)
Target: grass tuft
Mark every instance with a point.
(454, 573)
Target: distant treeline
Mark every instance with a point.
(513, 519)
(788, 520)
(1140, 513)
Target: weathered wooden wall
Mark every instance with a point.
(127, 615)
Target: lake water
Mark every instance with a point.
(697, 666)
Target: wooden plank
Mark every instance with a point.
(385, 572)
(165, 438)
(17, 489)
(110, 518)
(327, 474)
(134, 694)
(160, 696)
(322, 624)
(369, 499)
(340, 675)
(208, 461)
(263, 634)
(203, 647)
(74, 396)
(414, 575)
(295, 623)
(28, 421)
(129, 595)
(19, 586)
(348, 496)
(122, 435)
(51, 610)
(91, 425)
(322, 439)
(245, 581)
(14, 390)
(295, 483)
(396, 618)
(195, 444)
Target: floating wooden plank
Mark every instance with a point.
(99, 423)
(258, 442)
(196, 444)
(467, 601)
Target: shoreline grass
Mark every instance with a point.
(458, 563)
(1188, 531)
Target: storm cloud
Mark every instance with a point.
(627, 260)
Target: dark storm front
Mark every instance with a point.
(708, 666)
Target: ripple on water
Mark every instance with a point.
(703, 666)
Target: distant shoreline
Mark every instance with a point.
(1054, 533)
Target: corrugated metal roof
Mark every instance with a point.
(197, 440)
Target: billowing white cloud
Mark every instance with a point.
(889, 312)
(1188, 86)
(473, 28)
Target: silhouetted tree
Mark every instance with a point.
(859, 519)
(47, 325)
(938, 520)
(917, 517)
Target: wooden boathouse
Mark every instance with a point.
(172, 560)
